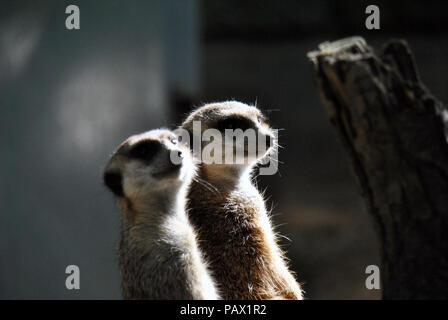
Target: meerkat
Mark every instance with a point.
(229, 213)
(158, 253)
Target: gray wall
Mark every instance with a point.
(68, 98)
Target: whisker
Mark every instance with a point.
(206, 185)
(278, 146)
(284, 237)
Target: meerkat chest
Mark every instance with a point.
(229, 217)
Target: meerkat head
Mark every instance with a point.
(147, 166)
(237, 130)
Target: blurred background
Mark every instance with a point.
(69, 97)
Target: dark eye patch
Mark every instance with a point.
(145, 150)
(234, 123)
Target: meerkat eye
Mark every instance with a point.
(261, 119)
(234, 123)
(145, 150)
(174, 140)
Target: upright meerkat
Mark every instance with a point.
(230, 216)
(158, 252)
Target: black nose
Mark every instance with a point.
(113, 181)
(269, 142)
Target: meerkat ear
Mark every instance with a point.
(114, 181)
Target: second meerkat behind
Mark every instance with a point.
(158, 253)
(230, 216)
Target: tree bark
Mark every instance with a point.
(394, 132)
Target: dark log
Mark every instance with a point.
(394, 132)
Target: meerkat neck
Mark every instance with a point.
(224, 177)
(156, 208)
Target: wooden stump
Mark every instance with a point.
(394, 133)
